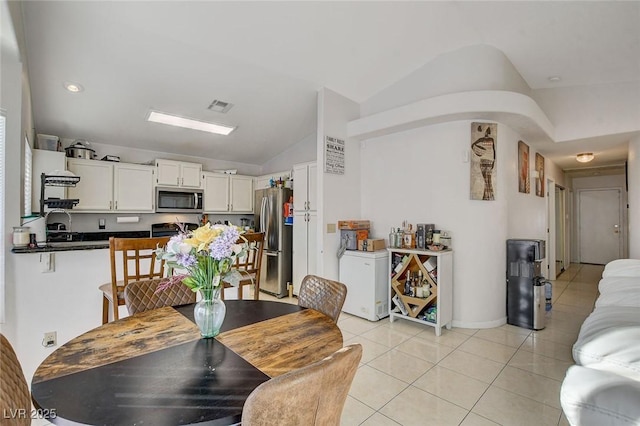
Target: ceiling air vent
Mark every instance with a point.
(220, 106)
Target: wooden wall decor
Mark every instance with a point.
(540, 178)
(524, 184)
(483, 160)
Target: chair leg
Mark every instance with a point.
(105, 310)
(115, 310)
(239, 291)
(256, 291)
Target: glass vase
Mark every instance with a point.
(209, 312)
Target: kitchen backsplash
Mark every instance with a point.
(89, 222)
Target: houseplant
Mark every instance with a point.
(202, 260)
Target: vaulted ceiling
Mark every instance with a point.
(269, 58)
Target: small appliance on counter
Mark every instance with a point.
(81, 149)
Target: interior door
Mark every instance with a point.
(560, 222)
(599, 228)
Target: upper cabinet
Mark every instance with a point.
(111, 187)
(227, 193)
(305, 178)
(178, 174)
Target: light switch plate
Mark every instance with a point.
(331, 228)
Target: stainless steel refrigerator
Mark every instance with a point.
(276, 269)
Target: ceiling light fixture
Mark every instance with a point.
(555, 78)
(73, 87)
(585, 157)
(189, 123)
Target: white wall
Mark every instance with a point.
(582, 112)
(130, 155)
(634, 198)
(420, 175)
(479, 67)
(302, 152)
(11, 90)
(339, 195)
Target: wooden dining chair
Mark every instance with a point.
(139, 262)
(249, 266)
(311, 395)
(140, 296)
(322, 294)
(14, 391)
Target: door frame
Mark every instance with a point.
(551, 229)
(621, 220)
(560, 214)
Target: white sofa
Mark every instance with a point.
(603, 388)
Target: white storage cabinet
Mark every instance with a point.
(227, 193)
(305, 222)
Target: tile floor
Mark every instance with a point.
(500, 376)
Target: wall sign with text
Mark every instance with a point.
(334, 155)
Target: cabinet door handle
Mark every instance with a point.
(116, 205)
(110, 205)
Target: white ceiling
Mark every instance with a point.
(270, 58)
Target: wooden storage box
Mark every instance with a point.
(354, 224)
(371, 244)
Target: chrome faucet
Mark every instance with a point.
(59, 211)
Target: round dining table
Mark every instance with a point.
(155, 369)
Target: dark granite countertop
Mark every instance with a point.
(80, 241)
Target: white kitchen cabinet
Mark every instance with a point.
(305, 177)
(133, 187)
(111, 187)
(305, 222)
(178, 174)
(227, 193)
(366, 275)
(305, 243)
(95, 189)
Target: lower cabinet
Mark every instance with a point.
(305, 243)
(421, 287)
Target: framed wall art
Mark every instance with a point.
(483, 161)
(524, 185)
(540, 175)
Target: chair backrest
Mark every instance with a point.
(138, 259)
(322, 294)
(14, 391)
(311, 395)
(253, 260)
(140, 296)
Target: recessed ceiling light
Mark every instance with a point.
(73, 87)
(189, 123)
(585, 157)
(555, 78)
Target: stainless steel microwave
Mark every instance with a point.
(178, 200)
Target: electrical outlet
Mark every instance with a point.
(102, 224)
(50, 339)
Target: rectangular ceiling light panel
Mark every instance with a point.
(189, 123)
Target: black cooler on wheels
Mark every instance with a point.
(525, 284)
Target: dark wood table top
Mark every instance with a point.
(154, 368)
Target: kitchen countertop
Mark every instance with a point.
(82, 241)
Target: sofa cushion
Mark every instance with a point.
(609, 339)
(599, 398)
(622, 268)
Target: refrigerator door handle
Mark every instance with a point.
(271, 253)
(263, 211)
